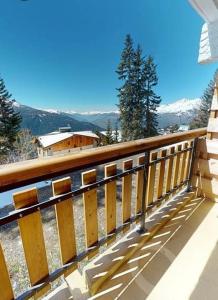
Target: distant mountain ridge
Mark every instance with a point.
(179, 112)
(41, 122)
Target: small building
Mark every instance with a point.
(183, 127)
(65, 141)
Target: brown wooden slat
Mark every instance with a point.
(183, 163)
(139, 185)
(65, 222)
(169, 170)
(160, 184)
(188, 161)
(90, 210)
(177, 166)
(6, 292)
(32, 238)
(151, 179)
(110, 199)
(126, 192)
(15, 175)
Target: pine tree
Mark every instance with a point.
(151, 100)
(116, 134)
(109, 134)
(138, 95)
(9, 122)
(126, 101)
(202, 115)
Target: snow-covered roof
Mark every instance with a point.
(55, 137)
(208, 10)
(183, 128)
(86, 133)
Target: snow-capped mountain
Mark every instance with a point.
(41, 121)
(178, 112)
(180, 106)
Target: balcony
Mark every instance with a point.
(148, 214)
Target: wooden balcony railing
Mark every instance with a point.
(164, 167)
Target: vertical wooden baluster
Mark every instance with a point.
(177, 165)
(139, 186)
(90, 211)
(6, 292)
(151, 179)
(110, 200)
(32, 238)
(169, 171)
(183, 163)
(188, 161)
(126, 192)
(65, 222)
(160, 183)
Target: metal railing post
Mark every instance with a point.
(144, 190)
(191, 168)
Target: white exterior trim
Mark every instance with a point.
(208, 10)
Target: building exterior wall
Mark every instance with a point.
(76, 142)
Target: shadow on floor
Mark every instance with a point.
(137, 278)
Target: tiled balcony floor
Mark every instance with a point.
(178, 263)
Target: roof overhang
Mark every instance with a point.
(208, 10)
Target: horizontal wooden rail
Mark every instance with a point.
(17, 175)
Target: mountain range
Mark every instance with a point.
(41, 121)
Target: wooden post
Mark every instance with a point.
(65, 222)
(160, 184)
(110, 199)
(139, 185)
(212, 129)
(6, 291)
(151, 179)
(32, 238)
(126, 192)
(183, 163)
(169, 171)
(90, 211)
(177, 166)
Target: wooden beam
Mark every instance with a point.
(110, 199)
(139, 185)
(161, 174)
(32, 238)
(16, 175)
(126, 192)
(65, 222)
(151, 179)
(90, 210)
(6, 291)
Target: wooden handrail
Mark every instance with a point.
(17, 175)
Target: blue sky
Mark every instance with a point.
(63, 53)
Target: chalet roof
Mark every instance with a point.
(56, 136)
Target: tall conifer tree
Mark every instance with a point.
(9, 121)
(125, 94)
(138, 95)
(202, 116)
(151, 100)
